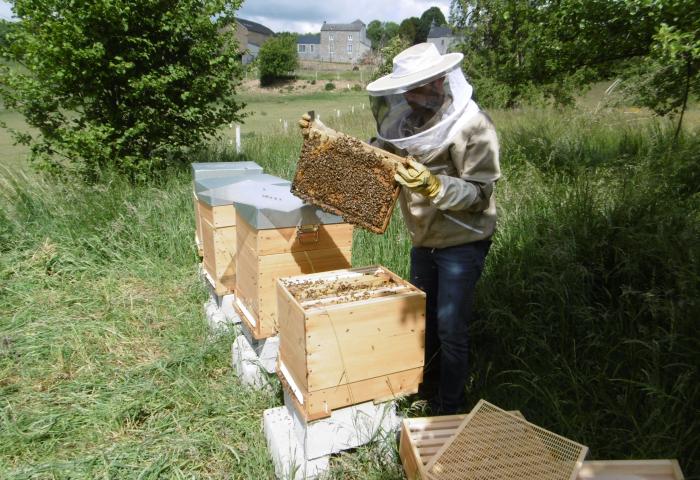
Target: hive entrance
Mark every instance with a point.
(343, 289)
(347, 177)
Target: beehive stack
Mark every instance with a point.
(277, 235)
(217, 226)
(347, 177)
(218, 173)
(347, 337)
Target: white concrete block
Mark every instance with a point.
(226, 307)
(220, 317)
(346, 428)
(287, 454)
(247, 365)
(266, 349)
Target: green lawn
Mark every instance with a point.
(11, 155)
(269, 111)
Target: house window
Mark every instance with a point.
(331, 47)
(350, 38)
(330, 37)
(301, 48)
(311, 48)
(443, 41)
(350, 48)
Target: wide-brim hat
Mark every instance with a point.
(414, 67)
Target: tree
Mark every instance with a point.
(409, 29)
(394, 46)
(277, 58)
(375, 30)
(391, 29)
(431, 16)
(666, 78)
(5, 29)
(513, 49)
(129, 86)
(381, 33)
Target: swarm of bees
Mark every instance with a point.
(344, 176)
(339, 291)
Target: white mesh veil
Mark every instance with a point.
(396, 123)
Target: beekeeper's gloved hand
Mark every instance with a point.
(418, 178)
(305, 123)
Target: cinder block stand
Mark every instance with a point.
(218, 309)
(220, 313)
(302, 450)
(254, 360)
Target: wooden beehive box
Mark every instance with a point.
(277, 241)
(208, 175)
(422, 438)
(348, 337)
(217, 227)
(348, 177)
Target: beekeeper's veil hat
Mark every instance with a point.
(420, 123)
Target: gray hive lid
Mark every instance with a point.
(202, 170)
(201, 186)
(230, 192)
(272, 206)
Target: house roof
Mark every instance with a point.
(355, 26)
(255, 27)
(437, 32)
(307, 39)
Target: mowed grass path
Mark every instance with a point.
(107, 369)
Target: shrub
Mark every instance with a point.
(357, 88)
(127, 86)
(330, 86)
(278, 58)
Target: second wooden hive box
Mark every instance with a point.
(217, 225)
(278, 236)
(349, 336)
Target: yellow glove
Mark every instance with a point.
(305, 123)
(418, 178)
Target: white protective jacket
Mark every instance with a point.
(464, 210)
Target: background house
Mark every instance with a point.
(442, 37)
(250, 36)
(309, 47)
(344, 42)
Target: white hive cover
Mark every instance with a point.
(492, 444)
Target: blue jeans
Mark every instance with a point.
(448, 276)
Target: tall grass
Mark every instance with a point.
(587, 309)
(589, 304)
(106, 367)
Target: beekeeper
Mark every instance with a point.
(424, 110)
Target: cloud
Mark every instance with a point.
(284, 15)
(308, 16)
(5, 11)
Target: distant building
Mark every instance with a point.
(250, 36)
(443, 38)
(309, 47)
(344, 42)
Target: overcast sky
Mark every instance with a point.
(307, 16)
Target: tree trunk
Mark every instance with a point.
(685, 98)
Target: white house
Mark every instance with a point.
(344, 42)
(309, 47)
(443, 38)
